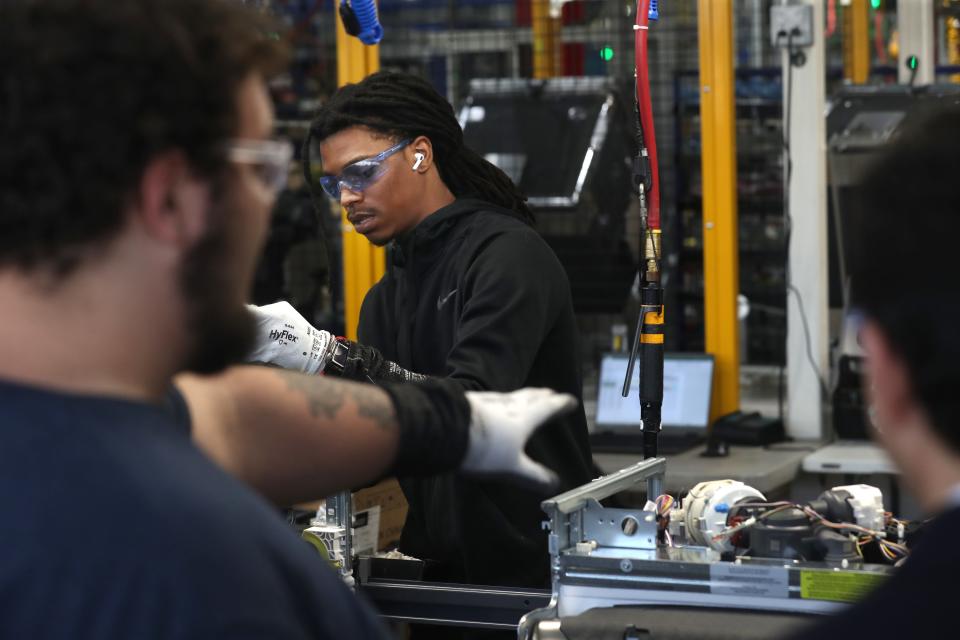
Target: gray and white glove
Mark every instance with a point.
(501, 424)
(287, 340)
(480, 433)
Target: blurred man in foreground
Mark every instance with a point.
(136, 179)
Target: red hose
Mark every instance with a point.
(831, 18)
(646, 112)
(878, 40)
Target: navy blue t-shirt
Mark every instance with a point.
(114, 525)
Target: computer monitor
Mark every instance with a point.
(861, 120)
(687, 387)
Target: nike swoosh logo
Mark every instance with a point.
(442, 301)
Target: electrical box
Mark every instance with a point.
(795, 19)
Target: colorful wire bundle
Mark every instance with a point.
(664, 503)
(892, 551)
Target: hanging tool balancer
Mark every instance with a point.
(360, 20)
(648, 340)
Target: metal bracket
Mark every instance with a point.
(604, 487)
(576, 515)
(622, 528)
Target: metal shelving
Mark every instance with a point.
(760, 206)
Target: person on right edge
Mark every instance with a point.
(904, 283)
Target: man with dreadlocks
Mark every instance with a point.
(471, 293)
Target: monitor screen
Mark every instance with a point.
(687, 384)
(539, 140)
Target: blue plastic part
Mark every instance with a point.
(370, 30)
(654, 12)
(723, 507)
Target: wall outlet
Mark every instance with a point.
(791, 18)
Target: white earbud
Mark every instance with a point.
(419, 156)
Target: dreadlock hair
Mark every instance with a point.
(400, 105)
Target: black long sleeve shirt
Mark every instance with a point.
(474, 294)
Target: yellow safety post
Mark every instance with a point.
(856, 42)
(953, 45)
(363, 263)
(546, 40)
(721, 267)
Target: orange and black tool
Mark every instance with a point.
(647, 350)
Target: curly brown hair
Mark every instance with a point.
(92, 90)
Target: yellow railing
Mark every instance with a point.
(363, 263)
(856, 42)
(720, 258)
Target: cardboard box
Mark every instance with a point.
(366, 531)
(393, 510)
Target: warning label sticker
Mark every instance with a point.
(838, 586)
(753, 581)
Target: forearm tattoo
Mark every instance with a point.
(326, 397)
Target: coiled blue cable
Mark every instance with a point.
(366, 11)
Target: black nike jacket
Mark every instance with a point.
(474, 294)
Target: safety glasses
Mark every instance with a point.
(270, 160)
(360, 174)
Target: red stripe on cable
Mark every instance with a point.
(646, 112)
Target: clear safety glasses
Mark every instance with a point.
(270, 160)
(360, 174)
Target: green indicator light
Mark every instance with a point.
(912, 62)
(875, 4)
(606, 54)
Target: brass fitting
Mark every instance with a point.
(651, 254)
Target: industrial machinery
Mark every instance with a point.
(720, 557)
(648, 343)
(331, 534)
(723, 552)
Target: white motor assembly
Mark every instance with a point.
(705, 510)
(866, 503)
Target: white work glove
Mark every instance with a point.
(500, 426)
(287, 340)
